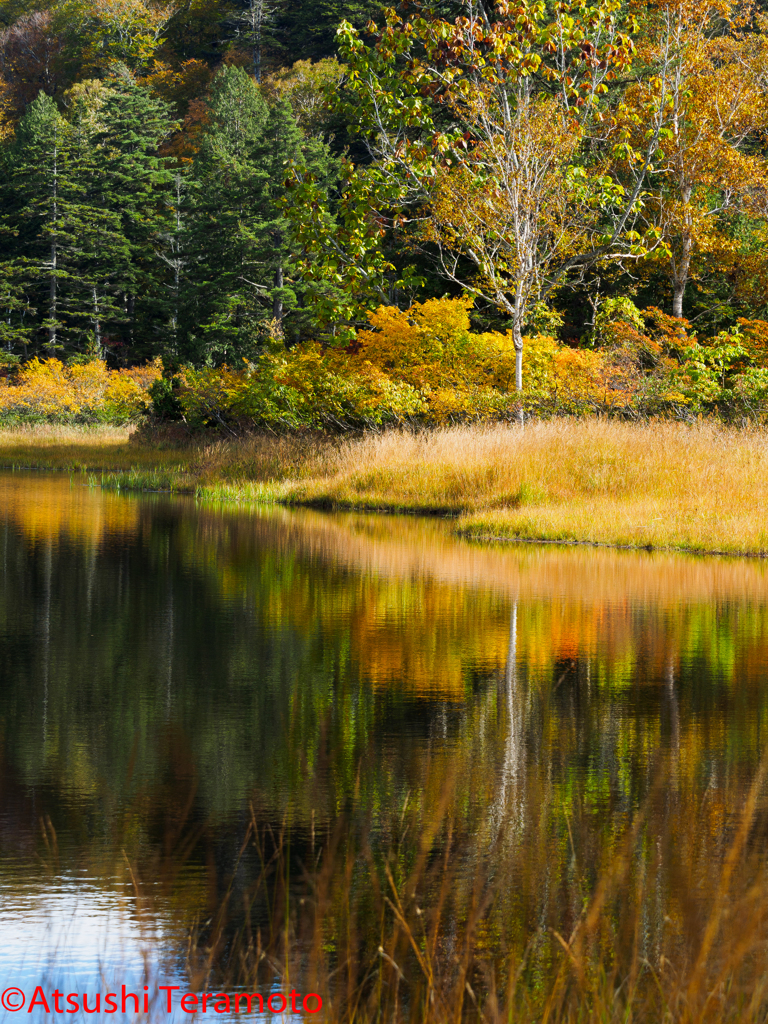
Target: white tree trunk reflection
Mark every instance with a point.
(508, 806)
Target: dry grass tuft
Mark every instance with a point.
(54, 434)
(518, 915)
(63, 447)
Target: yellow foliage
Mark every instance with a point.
(463, 375)
(426, 363)
(431, 348)
(50, 389)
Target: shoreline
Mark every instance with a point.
(697, 490)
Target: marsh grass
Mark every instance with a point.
(429, 921)
(78, 449)
(701, 487)
(663, 484)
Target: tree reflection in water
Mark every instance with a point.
(314, 737)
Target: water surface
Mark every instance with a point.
(172, 675)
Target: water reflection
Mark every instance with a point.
(176, 679)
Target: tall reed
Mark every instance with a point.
(525, 910)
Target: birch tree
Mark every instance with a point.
(493, 132)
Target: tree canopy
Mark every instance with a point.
(206, 183)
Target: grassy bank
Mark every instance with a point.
(665, 485)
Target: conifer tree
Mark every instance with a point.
(68, 251)
(138, 185)
(42, 184)
(280, 145)
(17, 315)
(240, 243)
(172, 250)
(101, 252)
(224, 307)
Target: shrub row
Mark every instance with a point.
(83, 392)
(424, 365)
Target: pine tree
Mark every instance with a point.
(102, 251)
(68, 252)
(172, 250)
(256, 27)
(280, 145)
(17, 315)
(43, 191)
(240, 241)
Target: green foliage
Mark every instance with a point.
(164, 396)
(240, 270)
(83, 209)
(311, 90)
(294, 390)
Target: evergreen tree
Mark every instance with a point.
(65, 241)
(240, 243)
(17, 315)
(101, 252)
(255, 26)
(138, 185)
(224, 308)
(83, 204)
(279, 146)
(172, 250)
(43, 193)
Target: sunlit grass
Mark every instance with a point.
(532, 914)
(702, 487)
(60, 447)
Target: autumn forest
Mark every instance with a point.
(340, 214)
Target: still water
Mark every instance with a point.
(184, 689)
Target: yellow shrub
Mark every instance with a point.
(430, 347)
(49, 389)
(305, 387)
(428, 333)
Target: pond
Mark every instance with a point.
(239, 743)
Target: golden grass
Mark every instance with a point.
(701, 487)
(61, 447)
(663, 485)
(520, 915)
